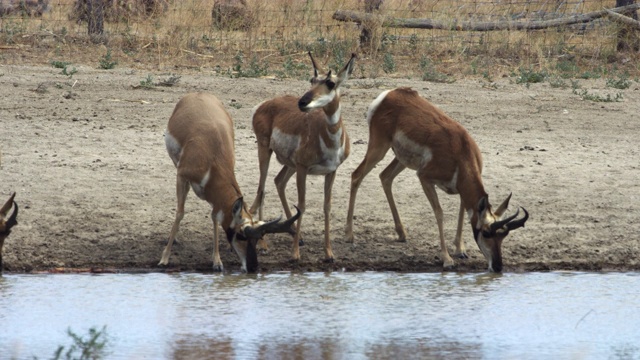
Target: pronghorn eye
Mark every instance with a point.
(330, 85)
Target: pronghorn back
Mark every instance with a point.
(420, 132)
(199, 121)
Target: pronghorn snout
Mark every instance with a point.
(305, 100)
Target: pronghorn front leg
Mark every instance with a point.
(387, 176)
(430, 191)
(328, 185)
(182, 189)
(301, 183)
(461, 251)
(217, 263)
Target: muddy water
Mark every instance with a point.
(327, 316)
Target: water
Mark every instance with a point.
(326, 316)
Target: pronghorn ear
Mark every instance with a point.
(483, 205)
(236, 210)
(343, 75)
(503, 207)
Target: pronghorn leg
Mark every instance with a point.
(264, 157)
(301, 182)
(373, 156)
(328, 185)
(461, 251)
(430, 191)
(281, 181)
(217, 263)
(182, 189)
(387, 176)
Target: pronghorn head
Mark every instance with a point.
(490, 228)
(325, 90)
(244, 234)
(7, 223)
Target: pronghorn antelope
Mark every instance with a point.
(309, 138)
(443, 154)
(7, 224)
(199, 140)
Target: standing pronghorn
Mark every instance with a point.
(443, 154)
(7, 224)
(308, 137)
(199, 139)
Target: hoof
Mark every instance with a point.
(294, 261)
(329, 261)
(218, 268)
(461, 255)
(263, 251)
(447, 268)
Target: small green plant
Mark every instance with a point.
(557, 82)
(585, 95)
(293, 69)
(430, 73)
(91, 347)
(622, 82)
(529, 76)
(236, 105)
(255, 69)
(106, 62)
(170, 81)
(147, 83)
(68, 71)
(388, 64)
(59, 64)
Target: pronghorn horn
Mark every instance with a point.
(273, 226)
(315, 66)
(518, 223)
(499, 224)
(7, 205)
(13, 219)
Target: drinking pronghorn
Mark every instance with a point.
(309, 138)
(7, 223)
(200, 141)
(443, 154)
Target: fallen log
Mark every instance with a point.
(623, 19)
(455, 25)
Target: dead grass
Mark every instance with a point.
(284, 30)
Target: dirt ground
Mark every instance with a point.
(96, 187)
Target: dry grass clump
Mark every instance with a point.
(235, 36)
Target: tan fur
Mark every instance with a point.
(204, 131)
(304, 142)
(417, 130)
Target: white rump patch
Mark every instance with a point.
(173, 147)
(374, 105)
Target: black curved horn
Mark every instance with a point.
(273, 226)
(520, 222)
(13, 219)
(499, 224)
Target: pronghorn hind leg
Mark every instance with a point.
(430, 191)
(461, 251)
(387, 176)
(264, 158)
(182, 189)
(328, 185)
(281, 181)
(372, 157)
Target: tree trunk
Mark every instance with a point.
(628, 39)
(95, 12)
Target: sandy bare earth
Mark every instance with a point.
(96, 188)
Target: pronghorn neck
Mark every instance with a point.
(471, 192)
(332, 110)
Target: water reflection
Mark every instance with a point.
(326, 315)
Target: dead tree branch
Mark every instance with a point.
(454, 25)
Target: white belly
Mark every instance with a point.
(409, 153)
